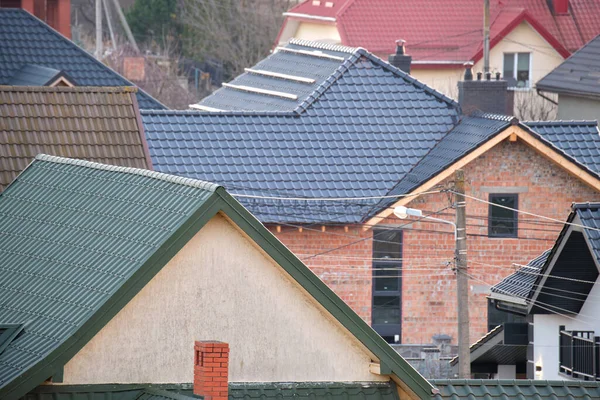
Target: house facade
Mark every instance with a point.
(556, 298)
(342, 142)
(164, 282)
(575, 83)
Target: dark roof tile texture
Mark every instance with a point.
(577, 75)
(314, 390)
(470, 133)
(354, 136)
(312, 63)
(96, 124)
(578, 139)
(519, 284)
(24, 40)
(461, 389)
(72, 233)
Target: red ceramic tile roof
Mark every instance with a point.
(444, 30)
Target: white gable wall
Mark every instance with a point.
(220, 286)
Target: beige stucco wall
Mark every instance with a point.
(327, 33)
(571, 107)
(522, 39)
(220, 286)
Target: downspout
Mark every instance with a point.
(545, 97)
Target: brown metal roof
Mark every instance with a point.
(100, 124)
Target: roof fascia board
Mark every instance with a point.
(577, 220)
(487, 344)
(549, 266)
(201, 107)
(506, 298)
(542, 147)
(402, 372)
(443, 175)
(53, 362)
(309, 17)
(535, 25)
(140, 126)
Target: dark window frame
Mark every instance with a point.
(491, 207)
(387, 330)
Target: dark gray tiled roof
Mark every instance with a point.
(589, 214)
(300, 59)
(470, 133)
(519, 284)
(36, 75)
(26, 40)
(578, 139)
(578, 74)
(361, 131)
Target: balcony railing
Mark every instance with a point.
(579, 354)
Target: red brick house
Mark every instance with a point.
(321, 142)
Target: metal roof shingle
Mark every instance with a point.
(73, 232)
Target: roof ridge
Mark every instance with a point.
(76, 89)
(585, 205)
(345, 66)
(563, 122)
(179, 180)
(327, 83)
(244, 113)
(407, 77)
(323, 46)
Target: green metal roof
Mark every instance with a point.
(72, 234)
(237, 391)
(458, 389)
(78, 240)
(112, 392)
(313, 390)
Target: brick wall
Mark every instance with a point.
(428, 284)
(347, 270)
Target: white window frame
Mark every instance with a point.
(516, 58)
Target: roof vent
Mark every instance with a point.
(8, 333)
(329, 4)
(316, 3)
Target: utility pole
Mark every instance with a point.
(98, 53)
(486, 37)
(125, 25)
(462, 280)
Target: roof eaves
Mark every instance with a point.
(483, 340)
(325, 296)
(561, 90)
(558, 150)
(525, 16)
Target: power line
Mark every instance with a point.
(529, 213)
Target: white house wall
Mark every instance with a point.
(546, 328)
(220, 286)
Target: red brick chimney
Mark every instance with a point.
(56, 13)
(211, 366)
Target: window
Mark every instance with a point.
(503, 222)
(387, 284)
(517, 67)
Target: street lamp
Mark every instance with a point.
(403, 212)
